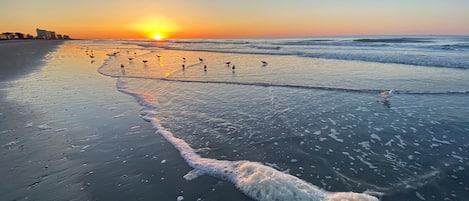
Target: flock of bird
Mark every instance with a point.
(228, 64)
(202, 61)
(385, 94)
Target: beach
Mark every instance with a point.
(20, 57)
(79, 122)
(68, 134)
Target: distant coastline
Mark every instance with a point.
(41, 35)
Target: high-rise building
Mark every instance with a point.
(42, 34)
(50, 35)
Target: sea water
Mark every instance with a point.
(311, 121)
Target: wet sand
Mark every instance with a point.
(66, 133)
(20, 57)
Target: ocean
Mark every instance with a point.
(260, 119)
(312, 111)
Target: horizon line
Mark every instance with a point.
(273, 37)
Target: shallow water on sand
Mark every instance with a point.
(68, 134)
(319, 120)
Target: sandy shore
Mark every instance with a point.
(19, 57)
(63, 127)
(18, 149)
(66, 133)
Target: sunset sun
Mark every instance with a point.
(157, 36)
(156, 28)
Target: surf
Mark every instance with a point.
(254, 179)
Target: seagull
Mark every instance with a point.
(144, 61)
(201, 60)
(184, 59)
(130, 58)
(264, 63)
(233, 69)
(228, 63)
(122, 67)
(92, 56)
(205, 67)
(387, 94)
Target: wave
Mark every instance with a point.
(265, 47)
(266, 84)
(334, 43)
(414, 60)
(370, 91)
(366, 50)
(245, 175)
(394, 40)
(236, 42)
(459, 62)
(361, 40)
(305, 42)
(458, 46)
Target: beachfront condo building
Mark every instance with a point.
(44, 34)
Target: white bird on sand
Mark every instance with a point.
(264, 63)
(201, 60)
(387, 94)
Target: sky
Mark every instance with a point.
(235, 18)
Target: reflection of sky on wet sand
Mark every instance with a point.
(287, 70)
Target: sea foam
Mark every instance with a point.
(254, 179)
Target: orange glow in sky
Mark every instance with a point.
(154, 27)
(234, 19)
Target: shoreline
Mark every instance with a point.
(18, 146)
(69, 134)
(56, 144)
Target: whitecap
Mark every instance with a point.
(118, 116)
(28, 125)
(374, 136)
(44, 127)
(419, 195)
(10, 143)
